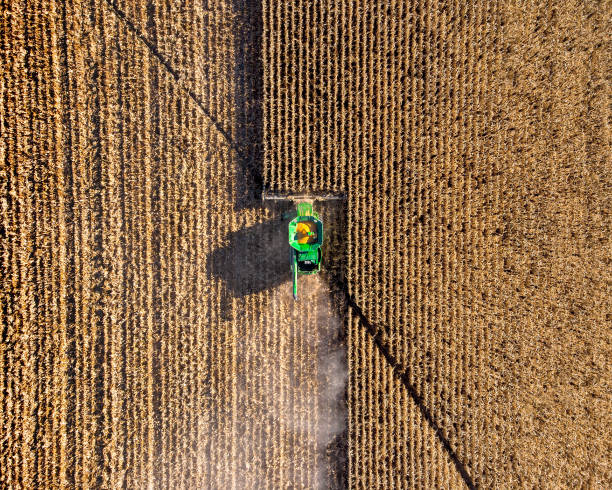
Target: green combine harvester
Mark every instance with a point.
(305, 239)
(305, 233)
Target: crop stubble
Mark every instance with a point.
(126, 361)
(472, 141)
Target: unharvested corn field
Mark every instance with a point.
(460, 332)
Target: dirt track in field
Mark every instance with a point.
(460, 335)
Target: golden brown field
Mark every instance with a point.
(473, 141)
(460, 334)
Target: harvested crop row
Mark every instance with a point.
(145, 343)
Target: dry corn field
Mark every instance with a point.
(460, 333)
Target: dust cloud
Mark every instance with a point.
(298, 396)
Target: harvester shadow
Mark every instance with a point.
(257, 258)
(254, 259)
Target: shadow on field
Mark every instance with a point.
(248, 98)
(255, 258)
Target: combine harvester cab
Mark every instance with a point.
(305, 239)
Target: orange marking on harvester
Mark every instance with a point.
(306, 231)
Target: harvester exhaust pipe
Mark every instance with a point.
(295, 275)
